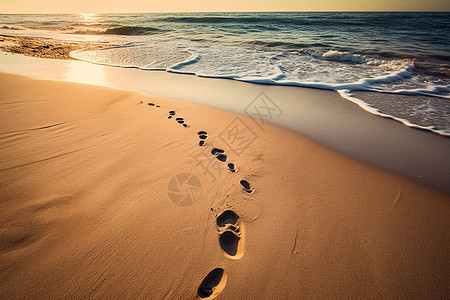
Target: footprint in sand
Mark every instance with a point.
(181, 121)
(232, 167)
(213, 284)
(203, 135)
(246, 186)
(219, 154)
(171, 114)
(153, 104)
(231, 234)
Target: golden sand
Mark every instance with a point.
(87, 208)
(44, 47)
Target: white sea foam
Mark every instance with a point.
(177, 68)
(344, 57)
(369, 108)
(333, 70)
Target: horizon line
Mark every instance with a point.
(249, 11)
(244, 11)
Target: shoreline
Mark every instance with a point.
(322, 116)
(87, 208)
(372, 101)
(46, 48)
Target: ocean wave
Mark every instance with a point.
(281, 19)
(217, 19)
(331, 55)
(369, 108)
(344, 57)
(334, 51)
(279, 44)
(120, 30)
(257, 21)
(95, 30)
(381, 78)
(132, 30)
(191, 60)
(229, 20)
(83, 31)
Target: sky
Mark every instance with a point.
(141, 6)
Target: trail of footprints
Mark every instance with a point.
(230, 227)
(172, 113)
(231, 239)
(231, 232)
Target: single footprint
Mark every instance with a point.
(203, 135)
(151, 104)
(231, 234)
(181, 121)
(213, 284)
(232, 167)
(222, 157)
(219, 154)
(171, 114)
(246, 186)
(216, 151)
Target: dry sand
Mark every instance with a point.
(85, 210)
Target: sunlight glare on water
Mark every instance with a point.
(90, 19)
(82, 72)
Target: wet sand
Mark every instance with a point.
(44, 47)
(322, 116)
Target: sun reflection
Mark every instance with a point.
(83, 72)
(90, 19)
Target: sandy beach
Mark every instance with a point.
(44, 47)
(107, 193)
(322, 116)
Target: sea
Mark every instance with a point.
(405, 55)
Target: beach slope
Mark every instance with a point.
(104, 195)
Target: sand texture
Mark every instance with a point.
(44, 47)
(105, 196)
